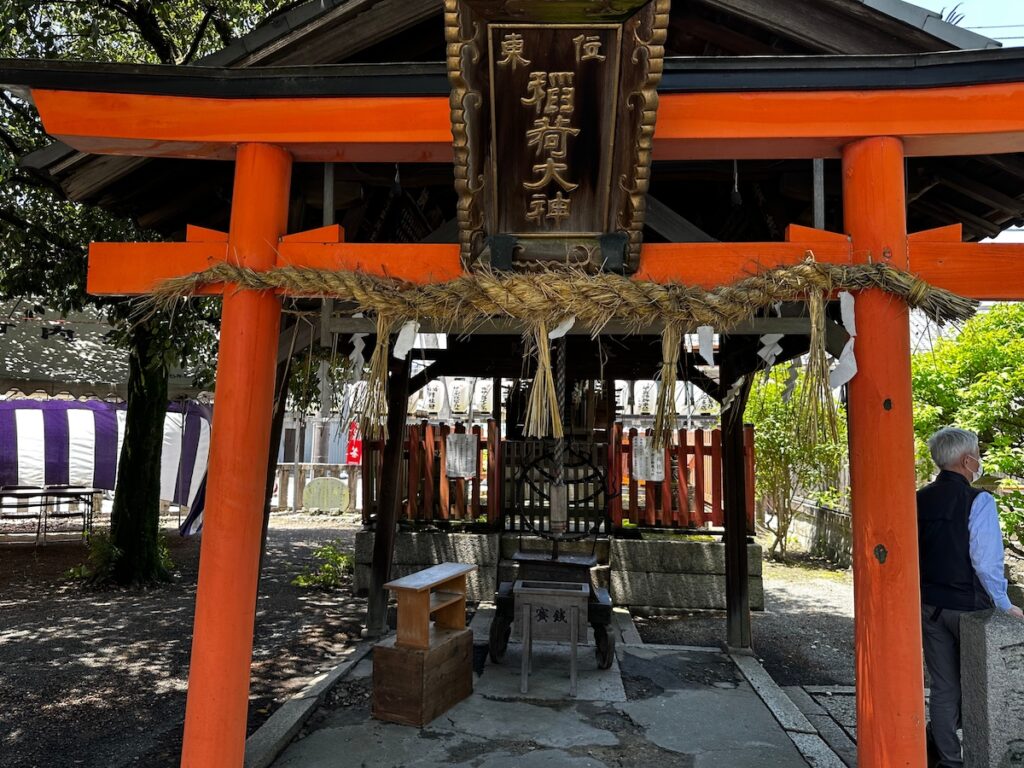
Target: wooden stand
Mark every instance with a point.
(428, 666)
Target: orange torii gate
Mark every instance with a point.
(872, 131)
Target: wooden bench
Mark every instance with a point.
(427, 666)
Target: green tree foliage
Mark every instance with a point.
(44, 237)
(976, 381)
(789, 468)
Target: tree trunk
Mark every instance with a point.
(135, 520)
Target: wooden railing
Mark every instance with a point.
(691, 494)
(429, 493)
(690, 497)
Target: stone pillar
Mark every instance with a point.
(992, 673)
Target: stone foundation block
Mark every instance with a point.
(662, 556)
(992, 674)
(677, 590)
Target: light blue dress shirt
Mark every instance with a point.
(987, 549)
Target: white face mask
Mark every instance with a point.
(976, 474)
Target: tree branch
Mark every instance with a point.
(9, 142)
(223, 29)
(198, 38)
(148, 26)
(41, 232)
(22, 112)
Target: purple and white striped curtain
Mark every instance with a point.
(45, 443)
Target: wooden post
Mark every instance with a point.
(890, 686)
(682, 482)
(460, 484)
(748, 465)
(734, 484)
(615, 474)
(668, 518)
(475, 484)
(218, 694)
(493, 471)
(412, 504)
(429, 475)
(390, 494)
(634, 488)
(444, 489)
(717, 517)
(699, 508)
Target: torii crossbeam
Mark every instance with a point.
(873, 128)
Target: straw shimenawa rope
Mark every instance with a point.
(540, 300)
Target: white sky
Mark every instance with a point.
(1001, 20)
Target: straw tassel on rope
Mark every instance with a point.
(374, 408)
(665, 412)
(542, 408)
(817, 408)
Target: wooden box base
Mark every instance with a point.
(412, 686)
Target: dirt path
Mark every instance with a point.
(98, 679)
(803, 637)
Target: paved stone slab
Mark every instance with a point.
(674, 669)
(539, 758)
(837, 739)
(815, 751)
(992, 671)
(785, 711)
(842, 708)
(829, 730)
(371, 743)
(744, 733)
(803, 701)
(549, 680)
(627, 629)
(548, 726)
(271, 738)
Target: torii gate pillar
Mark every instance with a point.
(218, 685)
(890, 681)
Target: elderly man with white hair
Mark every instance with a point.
(961, 548)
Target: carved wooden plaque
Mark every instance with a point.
(553, 107)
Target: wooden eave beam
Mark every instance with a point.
(416, 129)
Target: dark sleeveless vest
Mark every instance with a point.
(948, 579)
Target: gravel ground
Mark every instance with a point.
(98, 679)
(803, 637)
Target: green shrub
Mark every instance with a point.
(332, 568)
(100, 560)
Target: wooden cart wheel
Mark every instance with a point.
(497, 641)
(605, 646)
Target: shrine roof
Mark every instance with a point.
(681, 75)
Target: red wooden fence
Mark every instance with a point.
(689, 497)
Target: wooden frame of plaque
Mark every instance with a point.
(553, 106)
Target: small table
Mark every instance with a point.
(551, 610)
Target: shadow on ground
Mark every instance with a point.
(98, 679)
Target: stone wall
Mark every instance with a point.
(416, 551)
(676, 574)
(825, 533)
